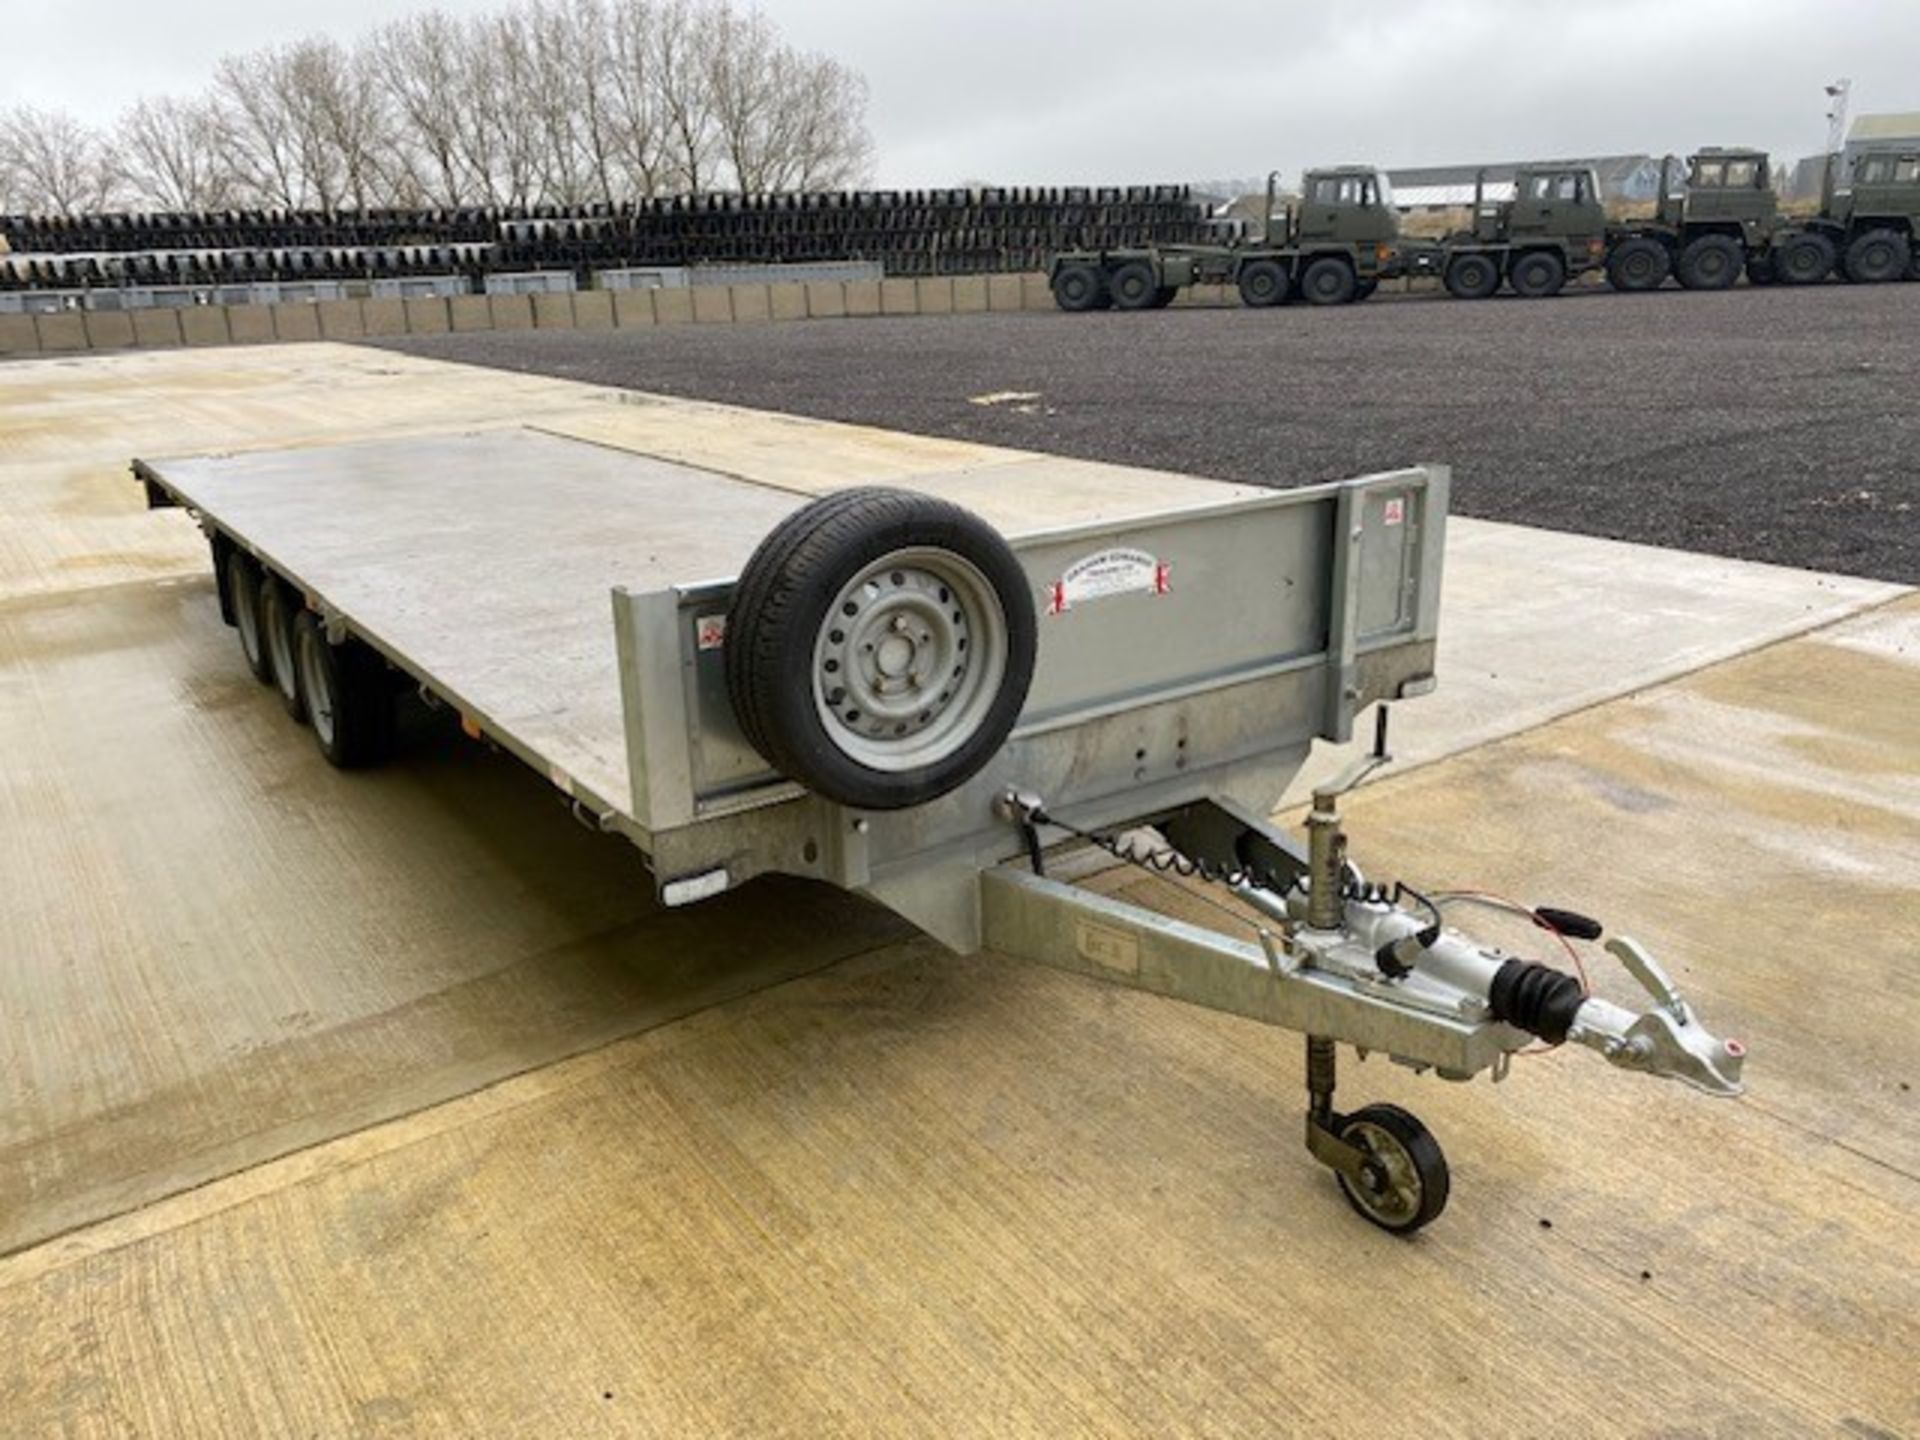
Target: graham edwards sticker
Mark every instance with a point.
(1105, 574)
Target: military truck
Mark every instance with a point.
(1334, 247)
(1552, 229)
(1869, 232)
(1724, 223)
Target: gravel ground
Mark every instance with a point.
(1776, 425)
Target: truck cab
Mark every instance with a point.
(1727, 189)
(1344, 205)
(1554, 202)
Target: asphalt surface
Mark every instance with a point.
(1774, 425)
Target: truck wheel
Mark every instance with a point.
(1078, 287)
(1263, 283)
(1472, 277)
(348, 697)
(278, 610)
(879, 647)
(1328, 281)
(1133, 286)
(1759, 271)
(1713, 262)
(1539, 275)
(1163, 297)
(1638, 264)
(1364, 290)
(243, 598)
(1803, 260)
(1878, 256)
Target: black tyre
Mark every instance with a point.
(1407, 1178)
(1878, 256)
(1079, 287)
(1538, 275)
(1472, 277)
(1263, 283)
(279, 608)
(349, 696)
(1759, 271)
(1638, 265)
(1803, 260)
(1133, 286)
(242, 580)
(1163, 297)
(1328, 281)
(1364, 290)
(1713, 262)
(879, 647)
(1913, 266)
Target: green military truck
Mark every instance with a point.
(1724, 223)
(1868, 233)
(1552, 229)
(1334, 247)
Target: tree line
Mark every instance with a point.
(561, 102)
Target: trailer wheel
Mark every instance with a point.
(278, 611)
(1472, 277)
(1409, 1174)
(1713, 262)
(1328, 281)
(1639, 264)
(1078, 287)
(1878, 256)
(1539, 275)
(347, 695)
(1804, 260)
(243, 597)
(1133, 286)
(1263, 283)
(879, 647)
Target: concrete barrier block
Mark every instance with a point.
(156, 327)
(898, 297)
(712, 304)
(385, 316)
(787, 301)
(969, 294)
(1003, 292)
(553, 310)
(1035, 293)
(863, 297)
(250, 324)
(632, 308)
(593, 310)
(933, 294)
(673, 306)
(106, 330)
(340, 319)
(427, 315)
(469, 312)
(64, 331)
(17, 335)
(826, 300)
(205, 325)
(296, 320)
(751, 304)
(510, 312)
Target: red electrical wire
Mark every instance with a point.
(1586, 986)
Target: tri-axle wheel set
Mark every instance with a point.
(878, 653)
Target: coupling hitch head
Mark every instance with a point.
(1668, 1038)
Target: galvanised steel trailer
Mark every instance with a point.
(923, 695)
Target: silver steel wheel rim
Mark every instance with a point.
(1398, 1201)
(280, 650)
(313, 680)
(909, 658)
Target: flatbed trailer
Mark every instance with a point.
(923, 695)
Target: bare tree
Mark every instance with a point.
(173, 153)
(419, 64)
(56, 165)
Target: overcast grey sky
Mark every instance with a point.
(1023, 91)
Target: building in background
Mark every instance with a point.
(1444, 187)
(1893, 130)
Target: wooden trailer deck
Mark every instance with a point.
(291, 1142)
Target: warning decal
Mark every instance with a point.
(1110, 572)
